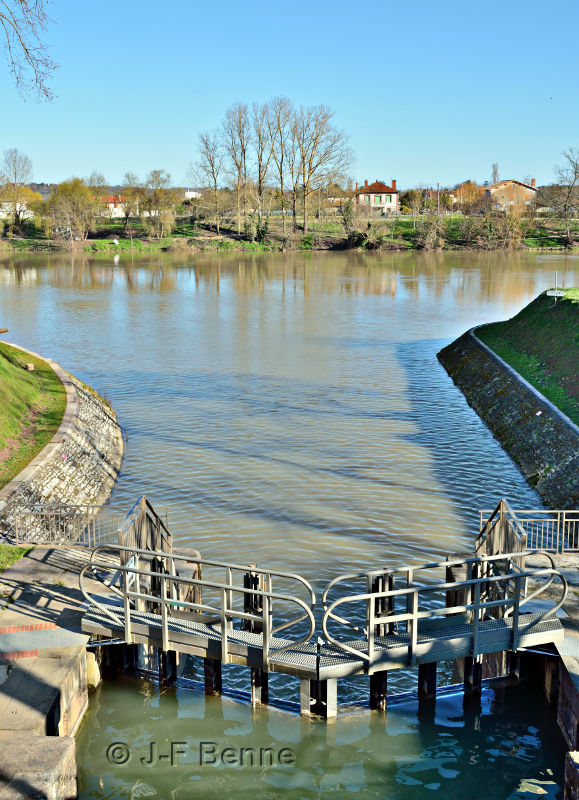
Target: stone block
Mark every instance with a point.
(39, 767)
(572, 776)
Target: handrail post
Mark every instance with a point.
(127, 608)
(258, 605)
(224, 626)
(413, 626)
(516, 611)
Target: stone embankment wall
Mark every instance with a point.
(544, 445)
(78, 466)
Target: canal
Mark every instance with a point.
(290, 411)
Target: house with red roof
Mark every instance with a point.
(377, 198)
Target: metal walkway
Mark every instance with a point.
(371, 622)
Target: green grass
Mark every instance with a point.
(32, 405)
(542, 344)
(10, 554)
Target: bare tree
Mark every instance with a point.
(279, 122)
(131, 196)
(293, 164)
(262, 149)
(566, 195)
(322, 150)
(15, 173)
(24, 22)
(495, 173)
(236, 136)
(158, 202)
(210, 166)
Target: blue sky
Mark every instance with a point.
(428, 92)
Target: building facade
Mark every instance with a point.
(377, 198)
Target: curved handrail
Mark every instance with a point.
(224, 612)
(412, 568)
(416, 614)
(194, 559)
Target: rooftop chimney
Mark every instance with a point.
(365, 183)
(394, 184)
(356, 185)
(533, 183)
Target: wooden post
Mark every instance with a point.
(167, 660)
(212, 675)
(378, 690)
(427, 680)
(259, 687)
(472, 675)
(383, 605)
(513, 665)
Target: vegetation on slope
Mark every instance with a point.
(542, 344)
(10, 554)
(32, 405)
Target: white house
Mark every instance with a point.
(377, 197)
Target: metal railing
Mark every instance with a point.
(62, 524)
(149, 580)
(486, 595)
(501, 532)
(144, 528)
(555, 531)
(86, 525)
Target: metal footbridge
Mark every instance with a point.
(270, 621)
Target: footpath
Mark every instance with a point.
(43, 674)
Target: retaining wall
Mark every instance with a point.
(78, 466)
(544, 445)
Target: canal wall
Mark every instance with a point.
(543, 442)
(78, 466)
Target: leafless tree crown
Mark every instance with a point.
(24, 23)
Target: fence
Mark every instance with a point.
(555, 531)
(85, 525)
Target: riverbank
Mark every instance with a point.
(541, 439)
(542, 344)
(77, 466)
(33, 403)
(453, 232)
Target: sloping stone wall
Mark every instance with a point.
(81, 462)
(544, 445)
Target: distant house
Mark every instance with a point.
(7, 210)
(506, 194)
(113, 206)
(377, 197)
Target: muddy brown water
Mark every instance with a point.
(290, 410)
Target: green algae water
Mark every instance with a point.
(178, 744)
(290, 411)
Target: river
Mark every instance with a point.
(289, 410)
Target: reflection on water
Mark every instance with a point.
(502, 746)
(288, 408)
(291, 412)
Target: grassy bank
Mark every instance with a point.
(542, 344)
(452, 232)
(10, 554)
(32, 405)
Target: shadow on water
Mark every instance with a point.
(468, 461)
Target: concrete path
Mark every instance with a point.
(43, 691)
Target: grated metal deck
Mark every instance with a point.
(437, 643)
